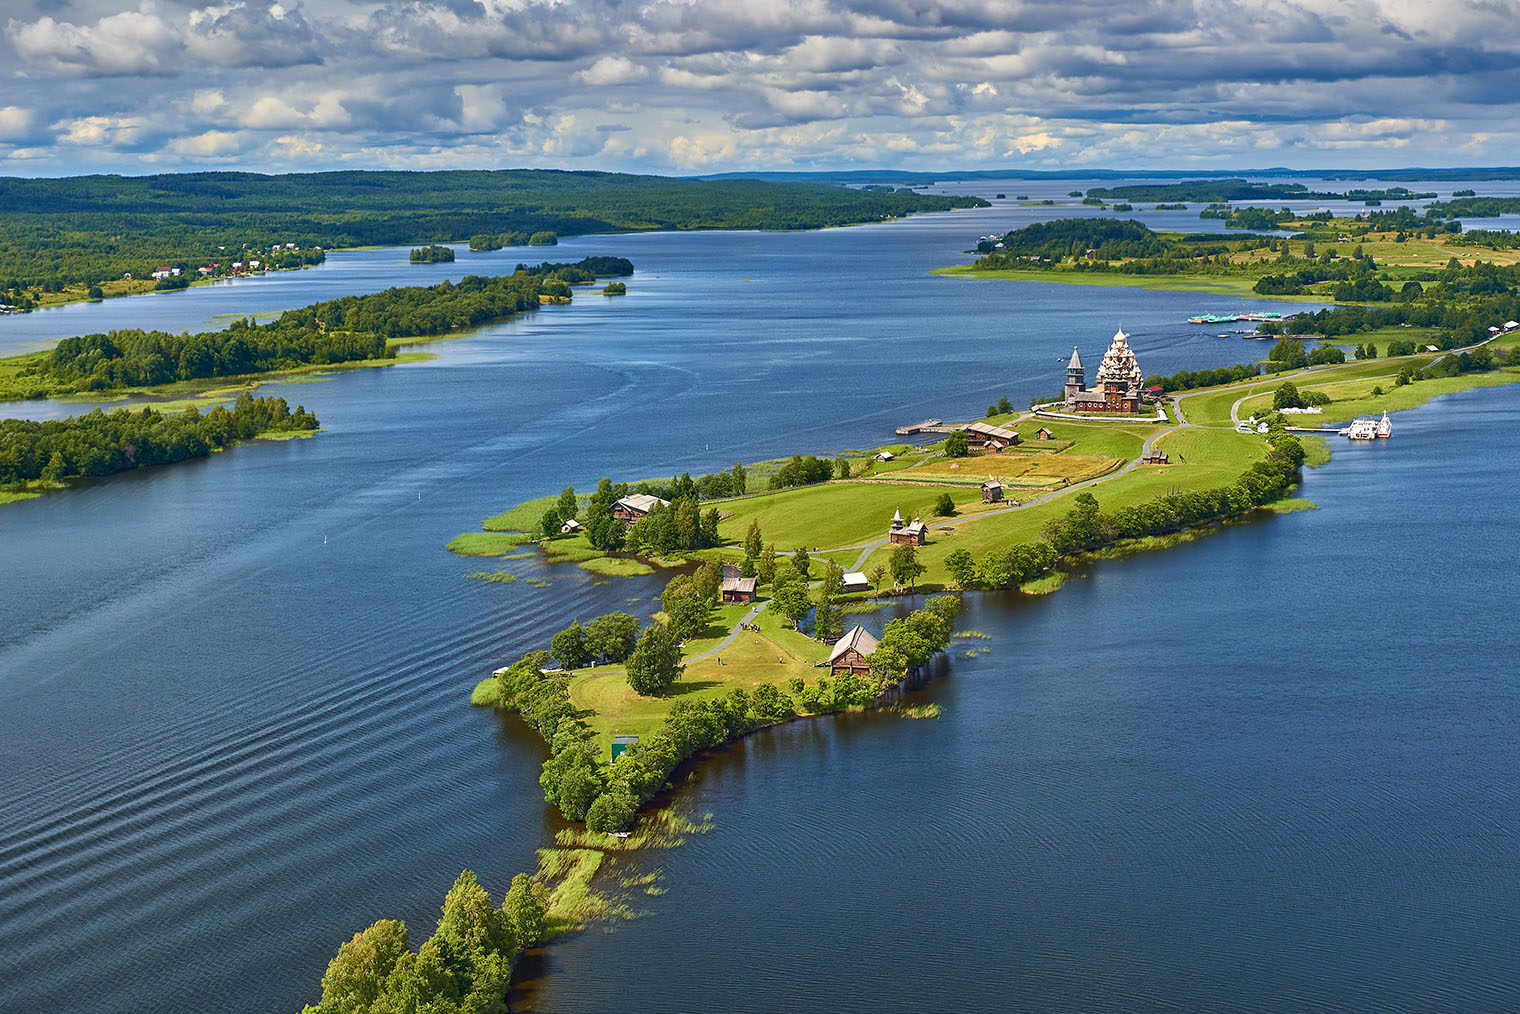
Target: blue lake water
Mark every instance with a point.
(1269, 770)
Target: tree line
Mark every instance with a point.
(103, 443)
(86, 229)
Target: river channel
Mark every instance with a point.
(1272, 769)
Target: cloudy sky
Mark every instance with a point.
(694, 86)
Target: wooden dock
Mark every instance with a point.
(927, 426)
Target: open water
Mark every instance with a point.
(1268, 770)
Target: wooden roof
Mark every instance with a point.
(858, 639)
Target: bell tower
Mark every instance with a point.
(1076, 376)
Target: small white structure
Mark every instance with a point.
(570, 527)
(885, 456)
(161, 273)
(855, 581)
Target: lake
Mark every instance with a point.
(1266, 770)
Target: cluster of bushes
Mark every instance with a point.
(1086, 528)
(103, 443)
(465, 967)
(1289, 354)
(1288, 395)
(433, 254)
(800, 471)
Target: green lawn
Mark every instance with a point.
(750, 661)
(836, 514)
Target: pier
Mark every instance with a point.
(927, 426)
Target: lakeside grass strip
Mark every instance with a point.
(486, 543)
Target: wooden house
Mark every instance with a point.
(885, 455)
(992, 491)
(851, 652)
(1044, 434)
(1154, 457)
(855, 581)
(570, 527)
(635, 506)
(989, 437)
(738, 589)
(907, 534)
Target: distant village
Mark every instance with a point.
(239, 268)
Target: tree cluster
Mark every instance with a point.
(465, 967)
(103, 443)
(433, 254)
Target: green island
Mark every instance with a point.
(196, 371)
(92, 237)
(770, 560)
(432, 254)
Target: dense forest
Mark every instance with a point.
(1222, 191)
(1096, 239)
(344, 330)
(102, 443)
(86, 229)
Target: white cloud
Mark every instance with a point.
(210, 144)
(15, 122)
(612, 70)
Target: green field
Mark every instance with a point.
(750, 661)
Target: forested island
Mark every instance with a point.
(61, 237)
(37, 456)
(349, 330)
(432, 254)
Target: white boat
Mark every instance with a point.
(1384, 427)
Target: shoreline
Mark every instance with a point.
(1212, 285)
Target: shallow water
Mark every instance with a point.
(1261, 771)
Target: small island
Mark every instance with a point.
(433, 254)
